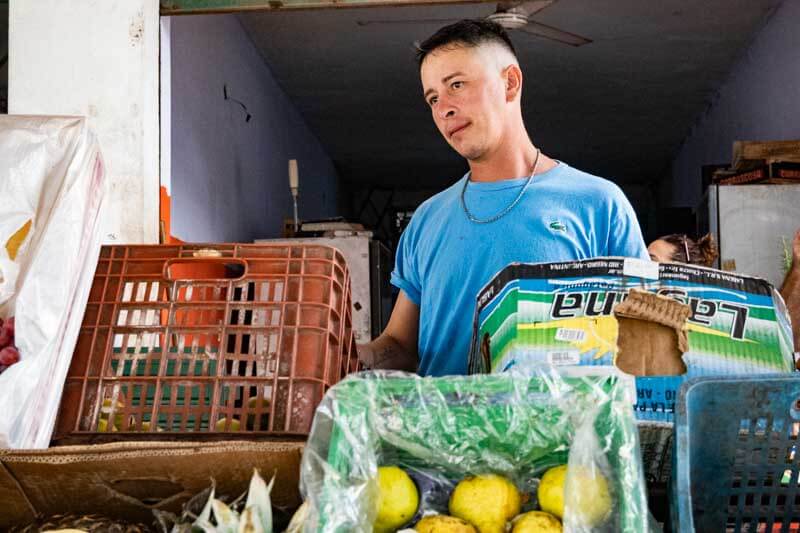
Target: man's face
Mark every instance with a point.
(465, 89)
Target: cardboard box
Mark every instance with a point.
(564, 314)
(126, 480)
(688, 321)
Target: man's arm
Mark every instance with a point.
(396, 348)
(791, 290)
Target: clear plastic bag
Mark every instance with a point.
(440, 430)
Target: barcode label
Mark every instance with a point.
(568, 358)
(640, 268)
(570, 335)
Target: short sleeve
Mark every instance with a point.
(625, 235)
(405, 275)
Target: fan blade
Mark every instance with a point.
(528, 8)
(554, 34)
(415, 21)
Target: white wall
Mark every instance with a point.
(759, 101)
(229, 177)
(97, 58)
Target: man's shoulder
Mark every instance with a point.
(442, 199)
(589, 183)
(590, 189)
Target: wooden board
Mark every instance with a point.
(187, 7)
(764, 151)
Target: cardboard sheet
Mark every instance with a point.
(127, 480)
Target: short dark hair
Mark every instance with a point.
(467, 32)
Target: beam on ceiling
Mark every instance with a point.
(190, 7)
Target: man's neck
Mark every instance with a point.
(512, 160)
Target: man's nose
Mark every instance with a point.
(446, 110)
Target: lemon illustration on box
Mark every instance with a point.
(688, 321)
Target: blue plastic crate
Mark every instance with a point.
(737, 455)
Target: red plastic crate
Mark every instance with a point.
(203, 340)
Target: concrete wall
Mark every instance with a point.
(100, 60)
(759, 101)
(229, 177)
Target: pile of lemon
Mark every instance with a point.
(492, 503)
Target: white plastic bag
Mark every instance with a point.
(51, 174)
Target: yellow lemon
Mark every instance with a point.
(398, 499)
(590, 497)
(551, 491)
(222, 422)
(444, 524)
(255, 403)
(105, 411)
(536, 522)
(488, 502)
(102, 426)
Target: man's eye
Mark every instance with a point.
(457, 84)
(432, 101)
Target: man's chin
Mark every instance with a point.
(470, 153)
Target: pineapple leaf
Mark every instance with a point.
(199, 526)
(258, 498)
(227, 519)
(250, 521)
(165, 520)
(298, 519)
(199, 502)
(205, 514)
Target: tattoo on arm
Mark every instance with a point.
(386, 354)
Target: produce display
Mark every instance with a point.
(500, 453)
(9, 354)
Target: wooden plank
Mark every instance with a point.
(189, 7)
(766, 151)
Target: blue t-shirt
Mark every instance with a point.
(444, 259)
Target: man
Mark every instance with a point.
(515, 204)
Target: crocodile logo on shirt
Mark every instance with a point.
(557, 225)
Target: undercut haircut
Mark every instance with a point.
(470, 33)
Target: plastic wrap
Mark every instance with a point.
(51, 178)
(440, 430)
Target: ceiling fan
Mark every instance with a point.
(511, 16)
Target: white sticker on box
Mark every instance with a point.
(570, 335)
(640, 268)
(566, 358)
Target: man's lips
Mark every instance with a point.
(457, 129)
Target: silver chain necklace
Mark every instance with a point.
(504, 212)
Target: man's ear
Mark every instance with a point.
(513, 80)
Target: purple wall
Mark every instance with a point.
(229, 177)
(759, 101)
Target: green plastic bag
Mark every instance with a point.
(441, 430)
